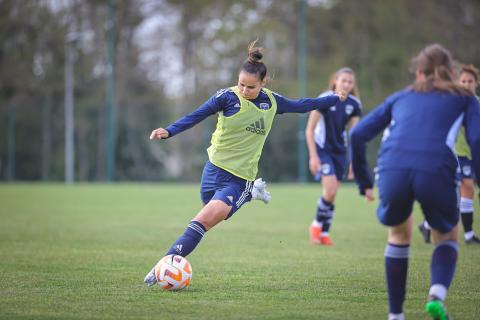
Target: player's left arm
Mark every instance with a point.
(471, 122)
(303, 105)
(351, 123)
(372, 124)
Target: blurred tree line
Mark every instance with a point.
(172, 55)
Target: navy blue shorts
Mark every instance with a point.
(218, 184)
(466, 171)
(436, 194)
(332, 163)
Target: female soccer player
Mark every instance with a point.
(245, 117)
(325, 133)
(469, 80)
(417, 161)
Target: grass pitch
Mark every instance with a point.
(81, 252)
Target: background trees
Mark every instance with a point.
(172, 55)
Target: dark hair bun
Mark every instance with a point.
(254, 64)
(255, 54)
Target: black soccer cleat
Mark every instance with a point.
(473, 240)
(425, 232)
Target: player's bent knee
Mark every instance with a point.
(439, 237)
(212, 213)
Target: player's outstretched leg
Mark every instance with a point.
(259, 191)
(184, 245)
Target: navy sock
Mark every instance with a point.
(328, 221)
(396, 268)
(442, 268)
(323, 208)
(188, 240)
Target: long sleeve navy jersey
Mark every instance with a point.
(421, 129)
(226, 101)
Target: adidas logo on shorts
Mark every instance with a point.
(257, 127)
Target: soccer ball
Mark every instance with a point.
(173, 272)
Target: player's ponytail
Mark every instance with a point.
(253, 64)
(435, 62)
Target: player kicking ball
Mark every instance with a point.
(245, 116)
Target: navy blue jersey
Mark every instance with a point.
(226, 101)
(421, 129)
(330, 130)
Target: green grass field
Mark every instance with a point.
(81, 252)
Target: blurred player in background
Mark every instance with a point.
(417, 161)
(325, 133)
(469, 79)
(245, 117)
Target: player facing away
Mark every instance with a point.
(245, 117)
(325, 135)
(468, 78)
(417, 161)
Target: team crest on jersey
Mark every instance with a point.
(348, 109)
(325, 168)
(257, 127)
(264, 106)
(467, 170)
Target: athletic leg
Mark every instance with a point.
(325, 208)
(396, 201)
(438, 198)
(467, 192)
(396, 266)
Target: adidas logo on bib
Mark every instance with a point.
(257, 127)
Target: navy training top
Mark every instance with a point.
(421, 130)
(330, 132)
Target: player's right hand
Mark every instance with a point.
(342, 95)
(159, 133)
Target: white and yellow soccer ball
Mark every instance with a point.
(173, 272)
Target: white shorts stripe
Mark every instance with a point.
(245, 193)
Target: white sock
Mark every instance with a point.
(426, 225)
(317, 224)
(439, 291)
(469, 235)
(396, 316)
